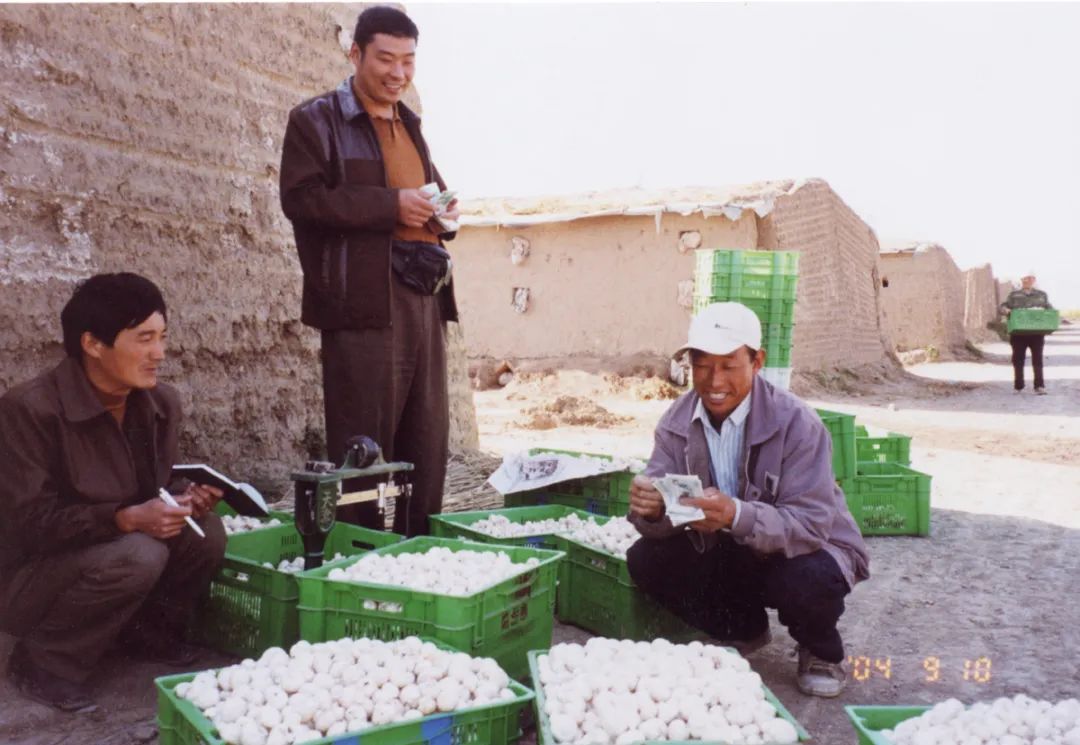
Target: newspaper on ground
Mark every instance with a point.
(673, 487)
(522, 472)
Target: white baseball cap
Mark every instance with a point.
(721, 328)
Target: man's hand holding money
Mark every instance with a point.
(718, 507)
(645, 499)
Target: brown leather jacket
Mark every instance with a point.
(66, 466)
(334, 190)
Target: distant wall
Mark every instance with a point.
(147, 138)
(980, 303)
(923, 299)
(837, 317)
(608, 286)
(605, 286)
(1004, 287)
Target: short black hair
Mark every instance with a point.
(105, 305)
(383, 19)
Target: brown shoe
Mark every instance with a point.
(46, 688)
(816, 677)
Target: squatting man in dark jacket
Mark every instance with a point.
(90, 557)
(776, 533)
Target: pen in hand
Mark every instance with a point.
(169, 500)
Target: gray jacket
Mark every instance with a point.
(791, 502)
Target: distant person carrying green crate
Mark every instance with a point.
(1027, 297)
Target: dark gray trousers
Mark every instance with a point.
(68, 609)
(390, 384)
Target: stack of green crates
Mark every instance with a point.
(765, 282)
(884, 494)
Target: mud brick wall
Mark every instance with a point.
(838, 318)
(598, 287)
(147, 138)
(980, 303)
(924, 300)
(607, 287)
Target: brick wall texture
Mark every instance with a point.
(924, 302)
(838, 319)
(147, 138)
(980, 303)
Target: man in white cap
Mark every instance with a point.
(776, 533)
(1021, 341)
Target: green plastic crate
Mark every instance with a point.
(727, 261)
(457, 525)
(1033, 319)
(612, 486)
(771, 310)
(889, 499)
(891, 448)
(543, 725)
(248, 607)
(605, 494)
(504, 621)
(842, 429)
(181, 723)
(737, 286)
(592, 505)
(600, 596)
(776, 341)
(870, 720)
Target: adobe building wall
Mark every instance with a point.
(838, 317)
(923, 296)
(608, 286)
(980, 303)
(147, 138)
(598, 287)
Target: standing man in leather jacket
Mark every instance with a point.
(377, 281)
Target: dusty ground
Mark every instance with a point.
(986, 606)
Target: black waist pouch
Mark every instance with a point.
(425, 267)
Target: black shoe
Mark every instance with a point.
(46, 688)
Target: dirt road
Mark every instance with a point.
(988, 605)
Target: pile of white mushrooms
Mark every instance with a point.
(438, 570)
(295, 566)
(1007, 721)
(235, 524)
(620, 692)
(500, 526)
(616, 536)
(333, 688)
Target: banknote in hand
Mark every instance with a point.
(673, 487)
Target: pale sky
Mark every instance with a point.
(952, 123)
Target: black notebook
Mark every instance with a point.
(244, 498)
